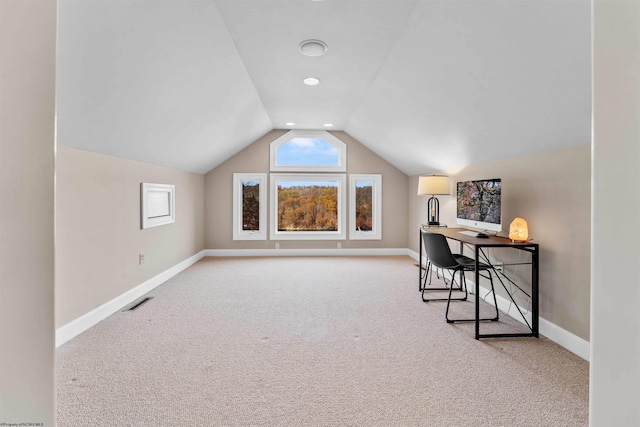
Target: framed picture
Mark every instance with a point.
(157, 205)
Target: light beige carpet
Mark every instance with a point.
(309, 342)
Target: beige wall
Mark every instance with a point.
(27, 149)
(255, 159)
(615, 336)
(98, 235)
(551, 190)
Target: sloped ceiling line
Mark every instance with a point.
(428, 85)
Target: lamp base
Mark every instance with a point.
(433, 207)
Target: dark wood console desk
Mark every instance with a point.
(478, 245)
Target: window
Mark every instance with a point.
(308, 151)
(249, 206)
(308, 207)
(365, 207)
(308, 199)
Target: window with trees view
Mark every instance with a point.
(308, 202)
(307, 206)
(365, 206)
(250, 212)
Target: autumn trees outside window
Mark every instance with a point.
(249, 206)
(365, 206)
(306, 205)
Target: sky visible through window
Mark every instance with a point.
(307, 152)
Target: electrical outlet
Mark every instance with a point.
(140, 259)
(277, 245)
(339, 245)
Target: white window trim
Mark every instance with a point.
(376, 194)
(149, 194)
(341, 146)
(238, 232)
(340, 234)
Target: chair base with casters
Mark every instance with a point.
(440, 256)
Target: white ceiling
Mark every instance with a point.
(427, 84)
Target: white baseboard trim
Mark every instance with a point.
(307, 252)
(566, 339)
(414, 255)
(550, 330)
(555, 333)
(86, 321)
(560, 336)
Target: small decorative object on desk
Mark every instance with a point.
(518, 231)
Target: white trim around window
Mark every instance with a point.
(339, 180)
(375, 180)
(239, 231)
(311, 134)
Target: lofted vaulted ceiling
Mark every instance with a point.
(428, 85)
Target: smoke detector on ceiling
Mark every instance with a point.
(313, 47)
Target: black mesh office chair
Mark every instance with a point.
(439, 255)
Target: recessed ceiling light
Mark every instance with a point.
(289, 124)
(313, 47)
(328, 125)
(311, 81)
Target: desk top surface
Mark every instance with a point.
(454, 233)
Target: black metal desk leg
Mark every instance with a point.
(420, 264)
(534, 288)
(477, 296)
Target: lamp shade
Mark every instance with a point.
(433, 185)
(519, 231)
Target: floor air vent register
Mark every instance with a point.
(138, 303)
